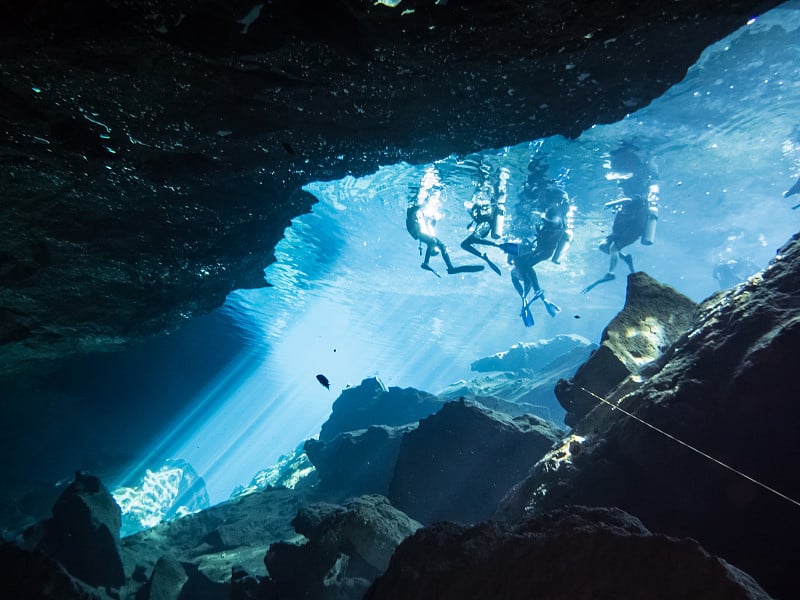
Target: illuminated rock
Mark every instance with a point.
(171, 491)
(654, 316)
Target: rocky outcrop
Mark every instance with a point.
(83, 533)
(372, 403)
(459, 463)
(357, 462)
(213, 544)
(166, 581)
(348, 546)
(521, 380)
(653, 318)
(143, 140)
(573, 553)
(726, 391)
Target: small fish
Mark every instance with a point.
(287, 147)
(576, 316)
(324, 381)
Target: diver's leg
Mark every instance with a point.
(613, 252)
(612, 263)
(450, 268)
(534, 282)
(628, 260)
(467, 245)
(426, 263)
(517, 282)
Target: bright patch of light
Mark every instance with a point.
(171, 491)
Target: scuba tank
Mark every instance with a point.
(566, 237)
(498, 222)
(649, 235)
(499, 218)
(563, 244)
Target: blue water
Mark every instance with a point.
(350, 301)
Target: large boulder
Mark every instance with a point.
(653, 318)
(713, 448)
(83, 533)
(348, 546)
(573, 553)
(372, 403)
(459, 463)
(355, 463)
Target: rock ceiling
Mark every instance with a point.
(153, 153)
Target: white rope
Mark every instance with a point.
(693, 449)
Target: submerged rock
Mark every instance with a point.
(654, 316)
(726, 391)
(348, 546)
(534, 356)
(355, 463)
(460, 462)
(372, 403)
(521, 380)
(83, 533)
(573, 553)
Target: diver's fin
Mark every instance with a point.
(796, 206)
(527, 317)
(526, 303)
(606, 277)
(465, 269)
(492, 266)
(552, 308)
(509, 248)
(427, 267)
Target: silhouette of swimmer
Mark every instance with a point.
(421, 216)
(635, 212)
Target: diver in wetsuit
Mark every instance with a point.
(421, 216)
(488, 214)
(528, 254)
(636, 213)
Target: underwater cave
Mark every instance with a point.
(225, 374)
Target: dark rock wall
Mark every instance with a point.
(728, 389)
(153, 153)
(459, 463)
(576, 552)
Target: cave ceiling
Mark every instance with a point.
(153, 152)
